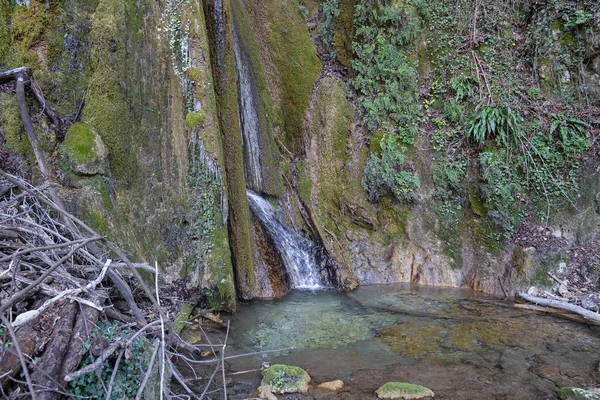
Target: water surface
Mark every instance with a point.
(461, 344)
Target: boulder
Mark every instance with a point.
(400, 390)
(83, 150)
(281, 378)
(333, 386)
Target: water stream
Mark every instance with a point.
(295, 250)
(248, 118)
(461, 344)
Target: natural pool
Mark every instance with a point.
(461, 344)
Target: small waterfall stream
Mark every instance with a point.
(248, 118)
(295, 251)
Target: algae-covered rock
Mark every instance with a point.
(571, 393)
(84, 150)
(400, 390)
(281, 378)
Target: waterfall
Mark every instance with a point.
(248, 118)
(296, 252)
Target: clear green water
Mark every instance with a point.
(437, 337)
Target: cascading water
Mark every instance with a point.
(295, 251)
(248, 118)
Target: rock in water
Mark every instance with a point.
(400, 390)
(571, 393)
(333, 386)
(281, 378)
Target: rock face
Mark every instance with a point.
(399, 390)
(570, 393)
(281, 379)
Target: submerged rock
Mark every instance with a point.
(400, 390)
(333, 386)
(571, 393)
(281, 378)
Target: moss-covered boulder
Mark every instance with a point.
(571, 393)
(84, 150)
(400, 390)
(281, 378)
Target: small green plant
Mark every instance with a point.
(129, 375)
(463, 86)
(534, 93)
(571, 133)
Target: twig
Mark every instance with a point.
(140, 391)
(114, 374)
(97, 363)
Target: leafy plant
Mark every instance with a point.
(331, 13)
(571, 133)
(489, 121)
(463, 86)
(129, 374)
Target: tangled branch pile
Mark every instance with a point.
(61, 332)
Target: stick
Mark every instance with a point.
(112, 377)
(97, 363)
(140, 391)
(588, 315)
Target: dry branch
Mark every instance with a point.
(588, 315)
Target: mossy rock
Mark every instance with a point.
(400, 390)
(571, 393)
(84, 150)
(281, 378)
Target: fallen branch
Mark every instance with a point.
(98, 362)
(588, 315)
(559, 313)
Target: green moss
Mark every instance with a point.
(195, 75)
(285, 378)
(344, 32)
(14, 134)
(98, 223)
(488, 235)
(295, 65)
(376, 139)
(477, 205)
(400, 390)
(183, 317)
(193, 120)
(5, 12)
(239, 212)
(106, 106)
(80, 142)
(392, 217)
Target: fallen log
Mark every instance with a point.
(587, 314)
(556, 312)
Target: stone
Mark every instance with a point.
(400, 390)
(84, 151)
(572, 393)
(265, 392)
(281, 379)
(333, 386)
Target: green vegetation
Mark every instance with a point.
(386, 82)
(193, 120)
(386, 173)
(331, 12)
(80, 140)
(5, 12)
(130, 371)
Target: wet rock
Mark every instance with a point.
(281, 378)
(571, 393)
(333, 386)
(596, 372)
(400, 390)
